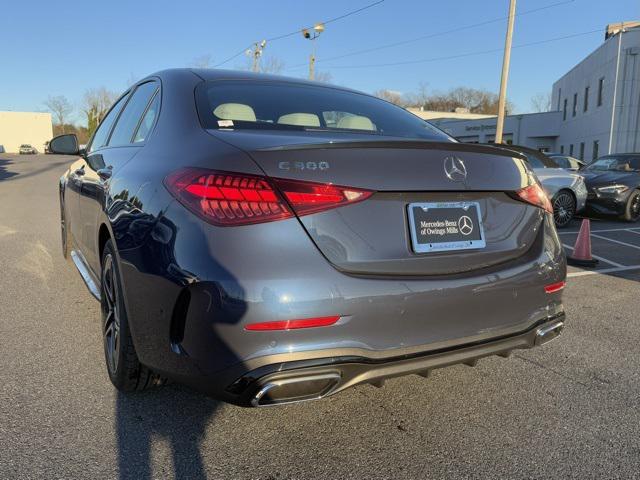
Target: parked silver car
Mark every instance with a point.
(566, 189)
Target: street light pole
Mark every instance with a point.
(312, 34)
(256, 53)
(502, 99)
(615, 91)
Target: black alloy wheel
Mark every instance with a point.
(632, 211)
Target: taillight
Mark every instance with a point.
(229, 199)
(311, 197)
(535, 195)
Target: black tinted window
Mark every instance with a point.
(147, 121)
(289, 106)
(131, 115)
(101, 135)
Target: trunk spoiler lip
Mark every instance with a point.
(403, 144)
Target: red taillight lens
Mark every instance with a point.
(228, 199)
(293, 324)
(535, 195)
(311, 197)
(555, 287)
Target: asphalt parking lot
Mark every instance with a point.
(567, 410)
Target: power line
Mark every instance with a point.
(432, 35)
(297, 32)
(462, 55)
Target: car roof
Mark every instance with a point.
(211, 74)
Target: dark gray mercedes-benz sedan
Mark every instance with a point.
(270, 240)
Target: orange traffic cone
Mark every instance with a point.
(581, 256)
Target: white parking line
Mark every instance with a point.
(633, 231)
(584, 273)
(604, 230)
(610, 262)
(630, 245)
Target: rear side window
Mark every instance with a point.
(148, 119)
(534, 161)
(101, 135)
(132, 114)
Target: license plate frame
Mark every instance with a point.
(447, 245)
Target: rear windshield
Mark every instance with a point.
(250, 104)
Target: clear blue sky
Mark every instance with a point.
(64, 48)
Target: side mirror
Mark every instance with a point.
(65, 145)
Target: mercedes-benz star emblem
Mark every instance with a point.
(455, 169)
(465, 225)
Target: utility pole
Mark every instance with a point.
(312, 34)
(256, 53)
(502, 99)
(615, 90)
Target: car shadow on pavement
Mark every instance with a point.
(173, 414)
(5, 173)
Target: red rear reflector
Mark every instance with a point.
(228, 199)
(311, 197)
(535, 195)
(293, 324)
(555, 287)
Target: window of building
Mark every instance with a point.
(564, 110)
(559, 95)
(562, 149)
(571, 150)
(575, 104)
(585, 107)
(596, 147)
(581, 157)
(600, 90)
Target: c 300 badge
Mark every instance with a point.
(302, 166)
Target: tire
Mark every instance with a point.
(125, 370)
(64, 230)
(564, 208)
(632, 209)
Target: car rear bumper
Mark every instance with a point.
(276, 382)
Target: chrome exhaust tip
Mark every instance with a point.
(294, 389)
(548, 332)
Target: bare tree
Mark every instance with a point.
(60, 108)
(419, 98)
(203, 61)
(95, 105)
(541, 102)
(324, 77)
(390, 96)
(268, 64)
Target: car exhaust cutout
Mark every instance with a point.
(296, 389)
(548, 333)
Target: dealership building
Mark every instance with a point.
(17, 128)
(596, 106)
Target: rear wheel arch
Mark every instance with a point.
(103, 236)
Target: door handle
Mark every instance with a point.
(105, 173)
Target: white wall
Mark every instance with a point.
(17, 128)
(595, 123)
